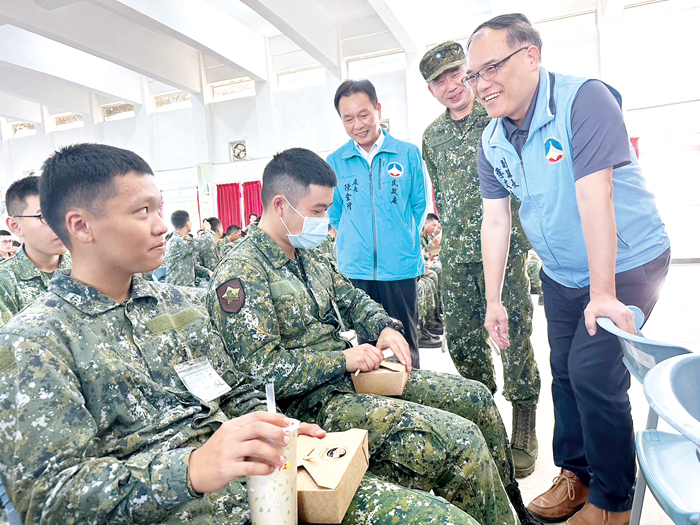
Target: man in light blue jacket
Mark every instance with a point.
(379, 207)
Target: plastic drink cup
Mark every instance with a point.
(273, 498)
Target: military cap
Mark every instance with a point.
(441, 58)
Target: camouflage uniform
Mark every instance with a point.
(208, 252)
(97, 427)
(278, 317)
(449, 150)
(21, 282)
(180, 261)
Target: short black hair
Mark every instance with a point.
(16, 243)
(82, 175)
(4, 233)
(179, 219)
(233, 228)
(432, 217)
(350, 87)
(518, 28)
(17, 193)
(214, 222)
(291, 172)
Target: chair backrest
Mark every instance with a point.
(159, 274)
(673, 391)
(639, 353)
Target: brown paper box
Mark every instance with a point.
(329, 472)
(388, 380)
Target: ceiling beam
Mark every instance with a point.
(104, 34)
(17, 108)
(44, 89)
(399, 23)
(201, 26)
(317, 33)
(31, 51)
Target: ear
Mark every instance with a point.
(430, 88)
(78, 226)
(379, 109)
(14, 226)
(277, 202)
(534, 55)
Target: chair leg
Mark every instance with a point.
(638, 501)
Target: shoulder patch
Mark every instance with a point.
(231, 296)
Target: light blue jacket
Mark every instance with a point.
(379, 211)
(544, 183)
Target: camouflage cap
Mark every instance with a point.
(441, 58)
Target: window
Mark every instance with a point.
(68, 121)
(171, 101)
(301, 77)
(230, 89)
(23, 129)
(118, 111)
(363, 67)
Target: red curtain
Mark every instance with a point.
(228, 204)
(252, 200)
(635, 145)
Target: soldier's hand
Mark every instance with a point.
(240, 447)
(363, 358)
(313, 430)
(497, 324)
(394, 341)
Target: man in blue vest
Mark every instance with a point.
(559, 144)
(379, 208)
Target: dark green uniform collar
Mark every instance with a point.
(91, 301)
(265, 245)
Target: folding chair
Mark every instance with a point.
(10, 511)
(639, 356)
(671, 462)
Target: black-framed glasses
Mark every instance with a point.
(40, 217)
(488, 72)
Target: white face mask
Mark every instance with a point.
(312, 234)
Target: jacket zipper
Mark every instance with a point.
(374, 220)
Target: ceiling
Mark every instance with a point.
(75, 55)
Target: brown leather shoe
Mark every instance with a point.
(567, 495)
(592, 515)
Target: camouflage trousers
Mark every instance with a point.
(465, 312)
(534, 265)
(427, 297)
(445, 434)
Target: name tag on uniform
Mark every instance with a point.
(201, 379)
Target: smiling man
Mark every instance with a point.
(26, 275)
(449, 149)
(559, 144)
(378, 208)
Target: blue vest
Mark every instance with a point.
(544, 184)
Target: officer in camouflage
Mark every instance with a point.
(182, 253)
(97, 425)
(26, 275)
(280, 305)
(449, 150)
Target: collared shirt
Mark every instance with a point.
(21, 283)
(369, 155)
(99, 427)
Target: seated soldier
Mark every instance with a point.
(26, 275)
(181, 253)
(97, 425)
(278, 306)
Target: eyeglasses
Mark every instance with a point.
(40, 217)
(489, 72)
(6, 242)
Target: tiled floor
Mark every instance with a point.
(675, 319)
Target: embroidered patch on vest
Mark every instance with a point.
(394, 169)
(231, 296)
(553, 150)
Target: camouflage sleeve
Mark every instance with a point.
(47, 439)
(8, 300)
(365, 316)
(251, 332)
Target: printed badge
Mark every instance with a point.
(553, 150)
(231, 296)
(395, 169)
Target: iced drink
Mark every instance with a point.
(273, 498)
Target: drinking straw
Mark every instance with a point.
(270, 395)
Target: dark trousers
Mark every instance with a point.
(400, 300)
(593, 432)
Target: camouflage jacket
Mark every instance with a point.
(208, 252)
(279, 322)
(95, 424)
(21, 282)
(449, 150)
(180, 261)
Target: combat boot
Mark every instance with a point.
(428, 340)
(523, 441)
